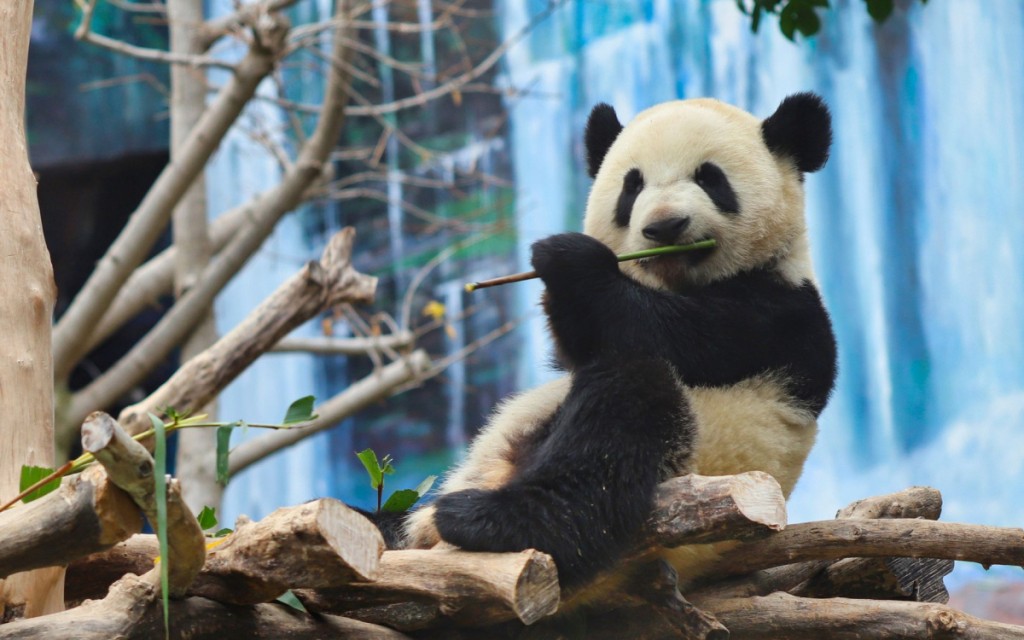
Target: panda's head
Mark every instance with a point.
(691, 170)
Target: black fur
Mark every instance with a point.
(713, 181)
(715, 335)
(586, 490)
(390, 523)
(801, 128)
(632, 185)
(603, 127)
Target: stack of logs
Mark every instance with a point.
(876, 571)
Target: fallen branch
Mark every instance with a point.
(830, 540)
(696, 509)
(132, 611)
(313, 545)
(85, 515)
(781, 616)
(130, 467)
(471, 588)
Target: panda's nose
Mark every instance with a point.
(666, 231)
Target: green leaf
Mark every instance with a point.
(289, 599)
(401, 501)
(31, 475)
(160, 491)
(207, 518)
(300, 411)
(879, 10)
(369, 459)
(223, 532)
(386, 466)
(808, 22)
(424, 486)
(223, 440)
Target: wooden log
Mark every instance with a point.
(130, 466)
(696, 509)
(319, 285)
(829, 540)
(781, 616)
(917, 579)
(915, 502)
(85, 515)
(90, 577)
(318, 544)
(132, 611)
(471, 588)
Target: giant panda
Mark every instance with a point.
(716, 362)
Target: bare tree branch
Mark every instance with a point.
(150, 218)
(372, 388)
(85, 34)
(344, 346)
(263, 215)
(213, 30)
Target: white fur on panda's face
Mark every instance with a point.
(672, 148)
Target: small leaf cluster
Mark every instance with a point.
(399, 501)
(801, 16)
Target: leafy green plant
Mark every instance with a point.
(801, 16)
(38, 481)
(399, 501)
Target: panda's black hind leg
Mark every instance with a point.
(586, 490)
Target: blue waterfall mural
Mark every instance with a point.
(917, 223)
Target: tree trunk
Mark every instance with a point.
(196, 462)
(26, 307)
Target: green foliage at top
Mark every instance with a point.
(801, 16)
(399, 501)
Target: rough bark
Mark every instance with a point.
(26, 306)
(696, 509)
(470, 588)
(917, 579)
(830, 540)
(313, 545)
(196, 457)
(132, 611)
(781, 616)
(85, 515)
(130, 467)
(915, 502)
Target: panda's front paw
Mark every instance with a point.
(572, 257)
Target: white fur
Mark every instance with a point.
(752, 425)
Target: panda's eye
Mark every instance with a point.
(713, 181)
(632, 184)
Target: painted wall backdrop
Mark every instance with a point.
(917, 222)
(917, 227)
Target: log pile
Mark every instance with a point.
(875, 571)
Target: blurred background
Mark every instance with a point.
(916, 222)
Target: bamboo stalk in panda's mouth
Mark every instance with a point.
(636, 255)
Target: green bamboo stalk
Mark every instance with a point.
(636, 255)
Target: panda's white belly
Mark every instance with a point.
(749, 426)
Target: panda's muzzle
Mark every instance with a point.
(667, 231)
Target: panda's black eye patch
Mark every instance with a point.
(632, 185)
(713, 181)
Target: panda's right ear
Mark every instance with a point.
(603, 127)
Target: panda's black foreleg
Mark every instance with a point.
(586, 490)
(578, 272)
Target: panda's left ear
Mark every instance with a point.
(801, 129)
(603, 127)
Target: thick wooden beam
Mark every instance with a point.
(85, 515)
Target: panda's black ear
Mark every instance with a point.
(603, 127)
(801, 129)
